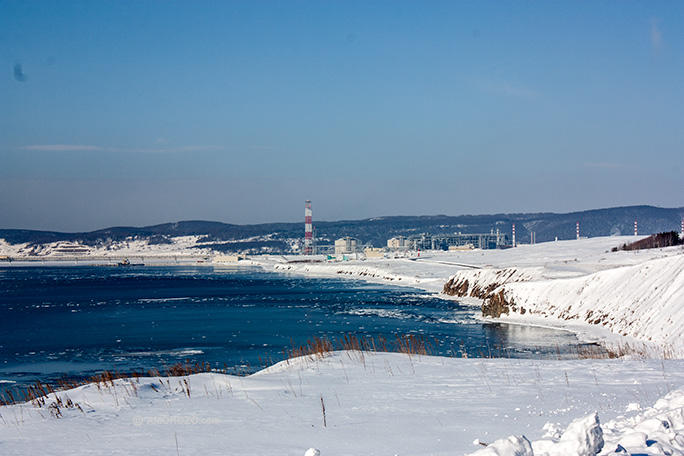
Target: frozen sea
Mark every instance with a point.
(58, 321)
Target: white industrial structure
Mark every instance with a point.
(345, 245)
(397, 243)
(308, 229)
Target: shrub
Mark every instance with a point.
(654, 241)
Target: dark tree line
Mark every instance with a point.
(654, 241)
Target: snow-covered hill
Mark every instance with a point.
(351, 403)
(644, 301)
(286, 238)
(178, 246)
(639, 296)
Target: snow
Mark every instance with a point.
(351, 403)
(181, 246)
(583, 437)
(643, 301)
(551, 260)
(509, 446)
(375, 403)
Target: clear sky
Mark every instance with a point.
(143, 112)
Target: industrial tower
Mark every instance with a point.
(308, 229)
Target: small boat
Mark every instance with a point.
(127, 262)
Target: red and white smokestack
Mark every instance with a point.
(577, 230)
(635, 228)
(514, 233)
(308, 229)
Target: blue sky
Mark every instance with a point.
(144, 112)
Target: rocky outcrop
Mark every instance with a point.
(487, 285)
(640, 301)
(495, 305)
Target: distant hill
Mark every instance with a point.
(278, 237)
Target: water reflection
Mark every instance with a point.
(516, 340)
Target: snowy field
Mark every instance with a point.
(349, 403)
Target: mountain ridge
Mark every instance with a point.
(546, 226)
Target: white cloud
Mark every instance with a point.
(86, 148)
(170, 150)
(63, 147)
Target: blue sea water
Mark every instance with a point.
(77, 321)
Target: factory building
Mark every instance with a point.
(371, 252)
(456, 241)
(398, 243)
(493, 240)
(345, 245)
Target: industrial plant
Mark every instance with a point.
(346, 246)
(342, 246)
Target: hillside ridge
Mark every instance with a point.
(280, 237)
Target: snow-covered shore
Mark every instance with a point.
(178, 247)
(618, 298)
(351, 403)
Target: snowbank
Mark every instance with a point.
(642, 302)
(657, 431)
(351, 403)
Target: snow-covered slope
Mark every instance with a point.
(350, 403)
(643, 301)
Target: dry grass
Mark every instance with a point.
(319, 347)
(315, 348)
(37, 392)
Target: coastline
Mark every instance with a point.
(381, 403)
(564, 268)
(157, 260)
(531, 270)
